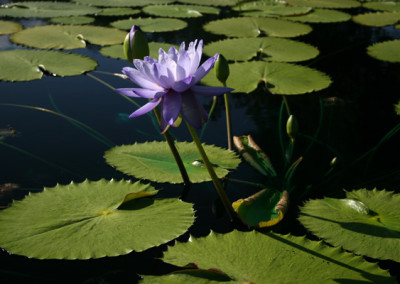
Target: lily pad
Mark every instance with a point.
(379, 19)
(321, 16)
(122, 3)
(180, 11)
(151, 25)
(365, 222)
(276, 11)
(45, 9)
(253, 257)
(254, 27)
(335, 4)
(116, 51)
(280, 78)
(76, 20)
(27, 64)
(386, 51)
(118, 12)
(267, 48)
(154, 161)
(92, 220)
(67, 36)
(210, 2)
(390, 6)
(8, 27)
(397, 108)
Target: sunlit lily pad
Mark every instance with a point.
(27, 64)
(390, 6)
(8, 27)
(67, 36)
(151, 25)
(253, 257)
(210, 2)
(281, 78)
(180, 11)
(92, 220)
(335, 4)
(122, 3)
(321, 16)
(116, 51)
(253, 27)
(76, 20)
(275, 11)
(386, 51)
(365, 222)
(378, 19)
(268, 48)
(45, 9)
(154, 161)
(118, 12)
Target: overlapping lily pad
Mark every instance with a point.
(390, 6)
(280, 78)
(386, 51)
(180, 11)
(210, 2)
(154, 161)
(379, 19)
(253, 27)
(45, 9)
(267, 48)
(116, 51)
(27, 64)
(365, 222)
(253, 257)
(123, 3)
(151, 25)
(335, 4)
(76, 20)
(118, 12)
(321, 16)
(67, 36)
(92, 220)
(8, 27)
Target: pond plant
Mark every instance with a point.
(289, 203)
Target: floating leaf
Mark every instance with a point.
(92, 220)
(45, 9)
(8, 27)
(390, 6)
(321, 16)
(210, 2)
(123, 3)
(253, 257)
(270, 9)
(335, 4)
(154, 161)
(268, 48)
(76, 20)
(377, 19)
(253, 27)
(180, 11)
(118, 12)
(116, 51)
(151, 25)
(280, 78)
(27, 64)
(386, 51)
(67, 37)
(365, 222)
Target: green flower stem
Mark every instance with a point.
(228, 121)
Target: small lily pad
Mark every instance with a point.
(76, 20)
(334, 4)
(92, 220)
(118, 12)
(365, 222)
(390, 6)
(116, 51)
(378, 19)
(28, 64)
(267, 48)
(8, 27)
(180, 11)
(122, 3)
(154, 161)
(210, 2)
(151, 25)
(386, 51)
(321, 16)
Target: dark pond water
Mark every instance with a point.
(48, 149)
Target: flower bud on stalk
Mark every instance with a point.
(221, 69)
(135, 44)
(292, 127)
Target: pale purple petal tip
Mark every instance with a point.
(146, 108)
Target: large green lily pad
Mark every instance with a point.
(386, 51)
(151, 25)
(269, 10)
(92, 220)
(335, 4)
(8, 27)
(180, 11)
(45, 9)
(253, 257)
(280, 78)
(154, 161)
(365, 222)
(67, 36)
(124, 11)
(116, 51)
(321, 16)
(390, 6)
(122, 3)
(26, 65)
(75, 20)
(267, 48)
(253, 27)
(378, 19)
(210, 2)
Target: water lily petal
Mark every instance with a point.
(146, 108)
(183, 67)
(196, 57)
(209, 91)
(183, 85)
(149, 94)
(127, 92)
(204, 69)
(192, 111)
(138, 78)
(171, 106)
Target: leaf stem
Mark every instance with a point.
(228, 121)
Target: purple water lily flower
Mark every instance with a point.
(171, 80)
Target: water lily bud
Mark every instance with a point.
(221, 69)
(334, 162)
(135, 44)
(292, 127)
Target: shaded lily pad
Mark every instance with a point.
(210, 2)
(253, 257)
(390, 6)
(377, 19)
(151, 25)
(275, 11)
(253, 27)
(154, 161)
(386, 51)
(118, 12)
(180, 11)
(45, 9)
(76, 20)
(123, 3)
(67, 36)
(365, 222)
(280, 78)
(116, 51)
(92, 220)
(268, 48)
(27, 64)
(335, 4)
(321, 16)
(8, 27)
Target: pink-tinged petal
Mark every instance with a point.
(209, 91)
(171, 106)
(192, 111)
(146, 108)
(204, 69)
(138, 78)
(127, 92)
(149, 94)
